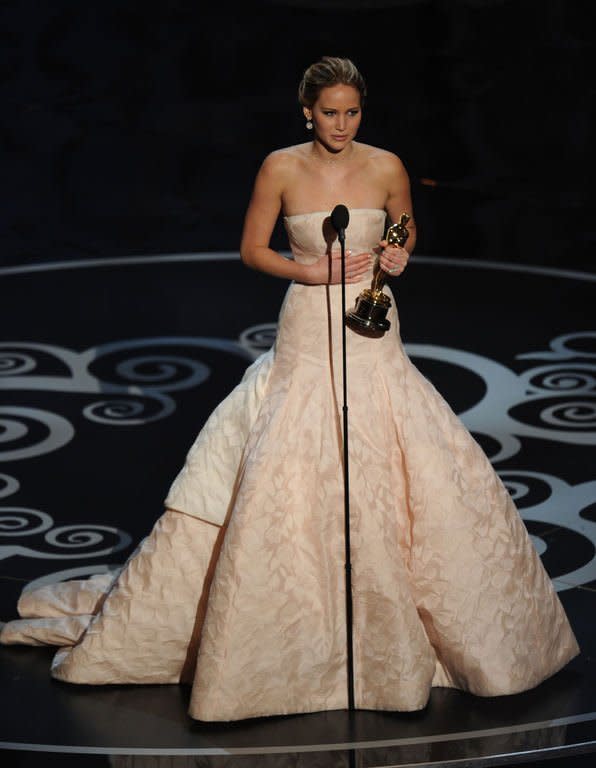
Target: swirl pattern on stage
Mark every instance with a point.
(553, 401)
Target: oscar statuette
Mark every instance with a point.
(369, 316)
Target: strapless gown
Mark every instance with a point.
(239, 589)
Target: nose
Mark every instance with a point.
(341, 123)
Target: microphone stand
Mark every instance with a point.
(348, 565)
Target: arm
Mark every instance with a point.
(261, 215)
(399, 198)
(394, 259)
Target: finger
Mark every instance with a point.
(395, 257)
(362, 265)
(335, 254)
(393, 269)
(392, 266)
(354, 275)
(361, 258)
(398, 252)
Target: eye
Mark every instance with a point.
(354, 112)
(328, 112)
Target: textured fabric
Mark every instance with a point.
(65, 630)
(241, 590)
(206, 484)
(74, 597)
(148, 626)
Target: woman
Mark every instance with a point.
(239, 588)
(317, 175)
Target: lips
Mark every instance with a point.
(339, 138)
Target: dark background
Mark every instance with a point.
(132, 128)
(137, 127)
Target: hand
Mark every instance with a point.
(327, 270)
(393, 258)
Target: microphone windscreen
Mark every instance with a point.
(340, 217)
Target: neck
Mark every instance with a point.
(320, 152)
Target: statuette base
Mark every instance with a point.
(369, 315)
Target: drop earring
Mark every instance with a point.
(309, 125)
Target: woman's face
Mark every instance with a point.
(336, 116)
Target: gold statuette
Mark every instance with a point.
(369, 316)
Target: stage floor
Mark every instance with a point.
(103, 364)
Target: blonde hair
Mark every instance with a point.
(329, 71)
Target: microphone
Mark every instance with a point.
(340, 218)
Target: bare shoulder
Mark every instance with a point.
(285, 160)
(382, 160)
(276, 174)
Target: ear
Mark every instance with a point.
(307, 113)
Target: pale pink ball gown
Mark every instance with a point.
(239, 588)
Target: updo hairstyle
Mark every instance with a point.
(329, 71)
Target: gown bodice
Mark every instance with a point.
(311, 234)
(310, 319)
